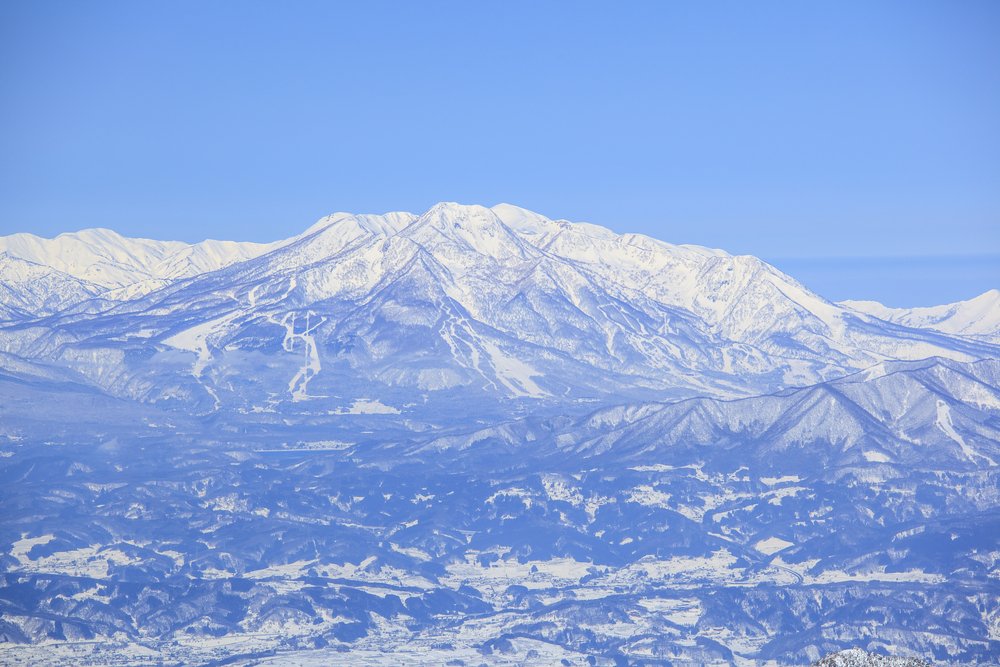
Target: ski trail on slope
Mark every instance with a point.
(516, 375)
(195, 339)
(945, 424)
(298, 386)
(215, 397)
(451, 336)
(252, 296)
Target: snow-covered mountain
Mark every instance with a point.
(500, 301)
(978, 317)
(481, 435)
(29, 289)
(935, 412)
(123, 267)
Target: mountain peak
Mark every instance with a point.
(989, 296)
(978, 316)
(460, 213)
(470, 227)
(385, 224)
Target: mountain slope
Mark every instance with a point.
(931, 414)
(501, 302)
(979, 316)
(100, 256)
(483, 435)
(29, 289)
(122, 267)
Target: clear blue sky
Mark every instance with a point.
(837, 131)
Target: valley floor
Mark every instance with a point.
(176, 553)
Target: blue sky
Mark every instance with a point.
(838, 139)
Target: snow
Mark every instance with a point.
(21, 547)
(911, 576)
(875, 457)
(682, 611)
(772, 545)
(515, 374)
(495, 303)
(380, 225)
(537, 574)
(523, 494)
(105, 258)
(311, 365)
(945, 424)
(784, 479)
(836, 576)
(481, 257)
(650, 497)
(291, 570)
(195, 339)
(830, 314)
(856, 657)
(368, 406)
(979, 316)
(716, 567)
(560, 489)
(448, 650)
(92, 561)
(775, 496)
(30, 288)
